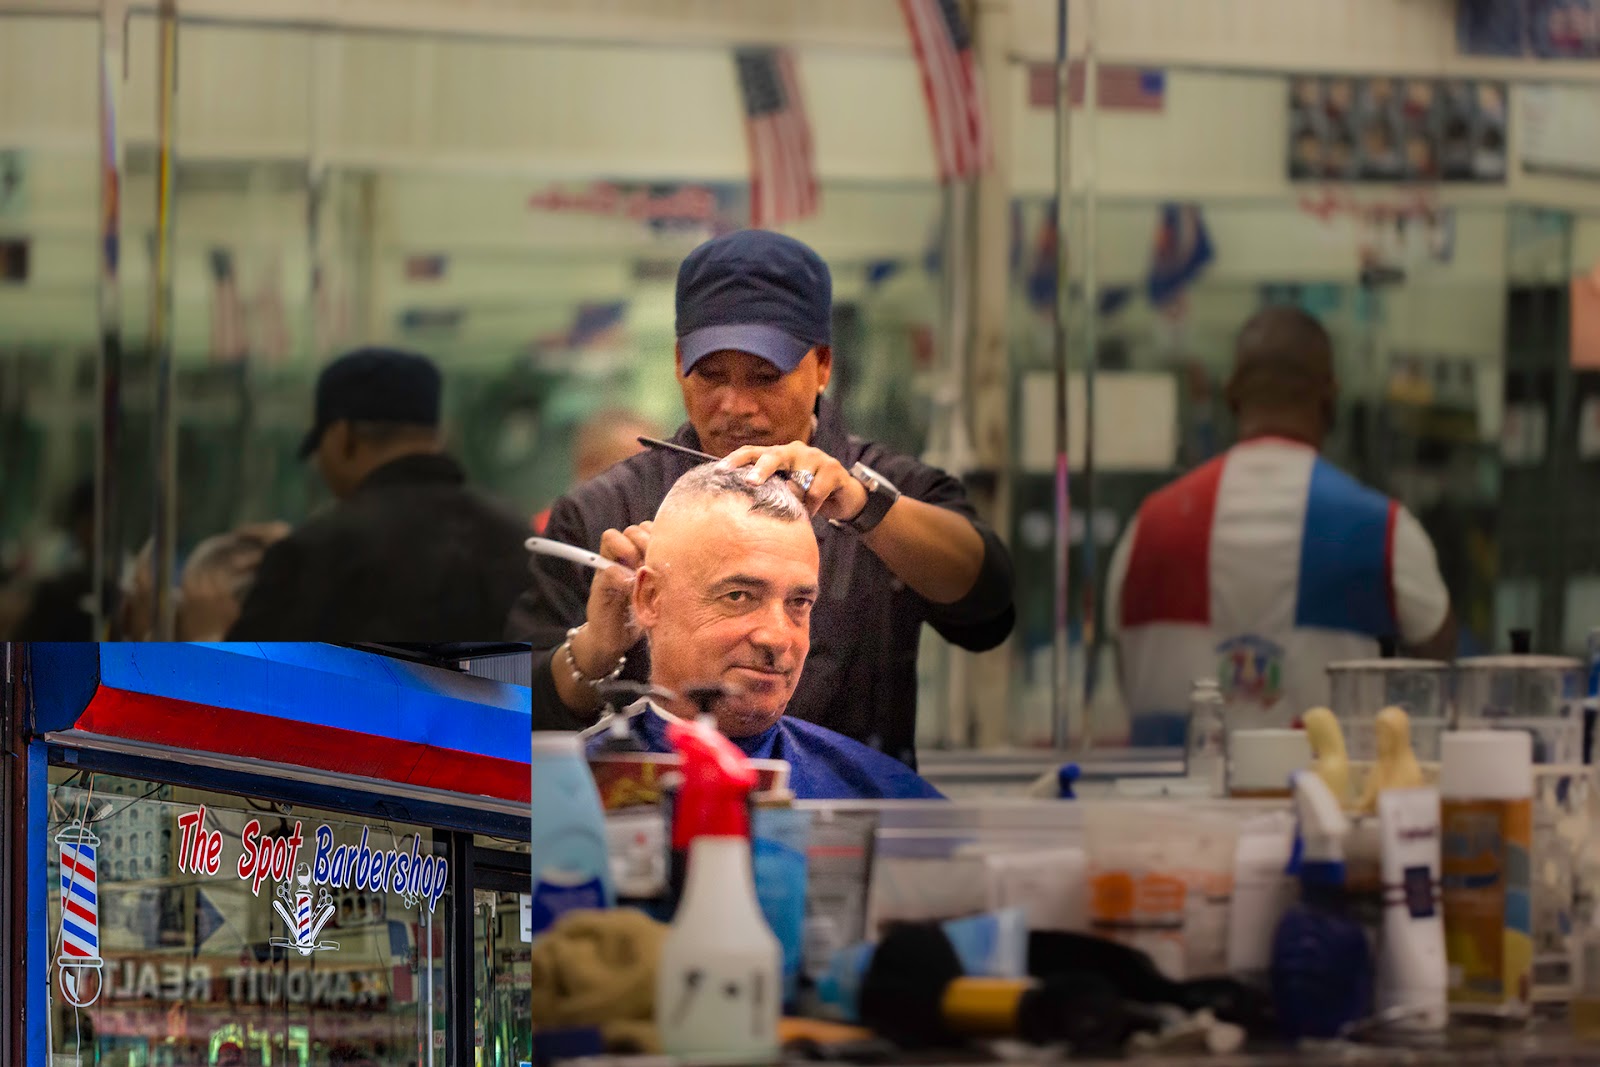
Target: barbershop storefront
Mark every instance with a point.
(297, 855)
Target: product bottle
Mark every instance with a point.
(1397, 766)
(1585, 1011)
(1206, 751)
(570, 866)
(1486, 782)
(718, 984)
(1412, 973)
(1329, 758)
(1321, 966)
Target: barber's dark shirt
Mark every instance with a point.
(411, 555)
(860, 678)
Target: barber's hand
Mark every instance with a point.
(610, 630)
(833, 493)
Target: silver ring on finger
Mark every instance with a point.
(803, 479)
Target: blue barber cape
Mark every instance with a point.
(823, 765)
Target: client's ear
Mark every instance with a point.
(647, 597)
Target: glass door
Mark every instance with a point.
(502, 969)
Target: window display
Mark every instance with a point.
(195, 928)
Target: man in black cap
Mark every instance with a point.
(900, 543)
(408, 553)
(63, 606)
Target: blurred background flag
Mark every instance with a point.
(783, 168)
(950, 86)
(229, 339)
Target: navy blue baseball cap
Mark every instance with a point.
(375, 385)
(754, 291)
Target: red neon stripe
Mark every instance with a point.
(81, 912)
(72, 950)
(251, 735)
(77, 868)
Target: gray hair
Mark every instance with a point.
(772, 498)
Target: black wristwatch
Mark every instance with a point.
(881, 495)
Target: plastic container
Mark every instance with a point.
(1161, 880)
(569, 862)
(1358, 689)
(1206, 753)
(1486, 790)
(1585, 1011)
(1540, 695)
(1261, 762)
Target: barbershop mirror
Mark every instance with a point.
(1193, 230)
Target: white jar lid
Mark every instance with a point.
(556, 743)
(1260, 760)
(1518, 663)
(1491, 764)
(1388, 666)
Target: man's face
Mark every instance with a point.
(728, 602)
(735, 399)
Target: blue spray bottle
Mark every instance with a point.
(1321, 963)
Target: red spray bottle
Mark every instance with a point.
(718, 986)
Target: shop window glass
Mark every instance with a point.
(213, 935)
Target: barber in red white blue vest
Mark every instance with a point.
(1268, 563)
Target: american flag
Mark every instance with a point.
(598, 325)
(429, 268)
(1120, 88)
(331, 312)
(1182, 251)
(783, 169)
(595, 327)
(229, 339)
(271, 319)
(951, 87)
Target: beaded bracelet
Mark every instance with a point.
(577, 675)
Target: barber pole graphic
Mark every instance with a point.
(78, 971)
(307, 920)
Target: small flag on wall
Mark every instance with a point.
(230, 341)
(274, 341)
(330, 310)
(950, 86)
(425, 268)
(594, 326)
(1182, 251)
(783, 167)
(1120, 88)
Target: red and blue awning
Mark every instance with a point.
(297, 705)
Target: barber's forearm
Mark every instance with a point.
(580, 698)
(934, 550)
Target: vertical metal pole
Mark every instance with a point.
(108, 374)
(956, 451)
(1061, 648)
(427, 1013)
(321, 102)
(460, 952)
(13, 857)
(164, 532)
(1091, 346)
(988, 389)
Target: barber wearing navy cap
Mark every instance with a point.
(408, 552)
(900, 543)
